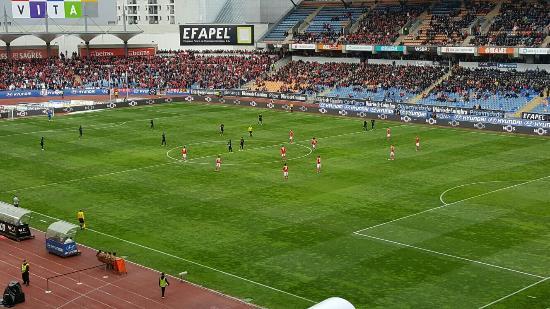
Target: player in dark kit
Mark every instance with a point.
(365, 125)
(242, 144)
(260, 120)
(372, 124)
(80, 131)
(229, 146)
(152, 124)
(42, 142)
(221, 128)
(163, 143)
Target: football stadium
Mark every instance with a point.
(323, 154)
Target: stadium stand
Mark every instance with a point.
(448, 23)
(488, 88)
(518, 24)
(327, 26)
(175, 70)
(280, 31)
(382, 23)
(306, 77)
(384, 82)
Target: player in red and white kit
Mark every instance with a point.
(388, 134)
(291, 136)
(218, 163)
(184, 153)
(283, 152)
(314, 143)
(318, 164)
(285, 172)
(417, 143)
(392, 153)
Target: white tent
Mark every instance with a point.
(333, 303)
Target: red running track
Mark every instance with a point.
(97, 288)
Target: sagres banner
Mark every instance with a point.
(54, 8)
(216, 35)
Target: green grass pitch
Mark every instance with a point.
(248, 233)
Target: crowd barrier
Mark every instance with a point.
(482, 120)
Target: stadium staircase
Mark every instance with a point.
(356, 24)
(536, 102)
(305, 24)
(432, 86)
(413, 30)
(489, 18)
(276, 67)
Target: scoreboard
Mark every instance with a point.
(58, 9)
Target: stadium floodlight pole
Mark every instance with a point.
(127, 86)
(5, 20)
(110, 92)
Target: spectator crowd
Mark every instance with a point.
(518, 24)
(169, 70)
(482, 84)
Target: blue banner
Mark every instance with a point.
(389, 48)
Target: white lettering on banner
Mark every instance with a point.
(534, 51)
(458, 50)
(303, 46)
(214, 33)
(359, 47)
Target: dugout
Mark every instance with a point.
(14, 222)
(60, 239)
(333, 303)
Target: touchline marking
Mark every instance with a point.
(188, 261)
(451, 204)
(514, 293)
(450, 255)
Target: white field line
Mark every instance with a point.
(514, 293)
(450, 255)
(471, 184)
(188, 261)
(94, 290)
(451, 204)
(230, 153)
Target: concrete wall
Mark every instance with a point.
(326, 59)
(519, 66)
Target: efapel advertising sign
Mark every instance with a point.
(216, 35)
(118, 52)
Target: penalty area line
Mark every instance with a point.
(514, 293)
(451, 256)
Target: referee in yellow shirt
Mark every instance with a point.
(80, 217)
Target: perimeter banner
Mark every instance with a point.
(216, 35)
